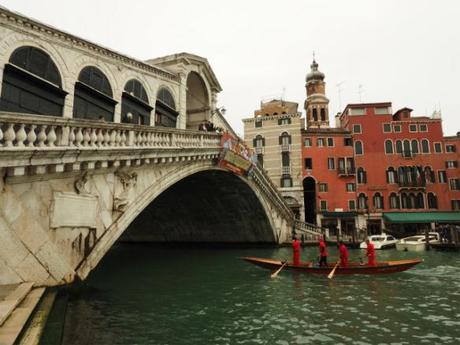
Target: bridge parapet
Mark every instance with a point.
(310, 231)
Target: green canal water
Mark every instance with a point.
(169, 296)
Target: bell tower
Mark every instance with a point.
(316, 104)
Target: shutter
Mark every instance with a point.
(388, 177)
(289, 120)
(254, 142)
(280, 140)
(365, 177)
(279, 122)
(447, 164)
(290, 140)
(263, 141)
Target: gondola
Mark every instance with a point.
(383, 267)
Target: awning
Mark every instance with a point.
(421, 217)
(339, 214)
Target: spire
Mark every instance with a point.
(314, 73)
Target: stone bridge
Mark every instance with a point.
(71, 188)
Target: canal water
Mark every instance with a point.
(142, 294)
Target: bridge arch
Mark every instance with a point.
(246, 219)
(198, 100)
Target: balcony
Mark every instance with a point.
(350, 171)
(412, 184)
(285, 170)
(408, 154)
(285, 147)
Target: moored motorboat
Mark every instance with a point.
(383, 267)
(382, 241)
(417, 243)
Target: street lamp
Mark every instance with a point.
(221, 110)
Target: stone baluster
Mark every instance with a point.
(107, 138)
(118, 138)
(113, 138)
(71, 136)
(51, 137)
(100, 138)
(79, 137)
(86, 137)
(21, 135)
(1, 134)
(10, 135)
(93, 137)
(41, 137)
(124, 139)
(31, 136)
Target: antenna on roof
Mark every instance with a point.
(283, 93)
(360, 91)
(339, 92)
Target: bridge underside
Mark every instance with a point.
(211, 206)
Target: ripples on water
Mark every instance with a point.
(151, 295)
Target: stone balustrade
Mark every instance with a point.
(23, 132)
(311, 231)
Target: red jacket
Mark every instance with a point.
(296, 246)
(343, 253)
(322, 248)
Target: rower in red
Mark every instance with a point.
(370, 253)
(343, 254)
(295, 251)
(322, 253)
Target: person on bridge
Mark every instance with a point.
(343, 254)
(322, 253)
(295, 251)
(370, 253)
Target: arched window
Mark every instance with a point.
(285, 139)
(425, 146)
(93, 96)
(406, 149)
(378, 201)
(362, 201)
(165, 109)
(315, 114)
(411, 200)
(432, 201)
(323, 114)
(388, 147)
(414, 146)
(362, 176)
(135, 106)
(32, 84)
(391, 175)
(419, 201)
(358, 147)
(404, 201)
(394, 200)
(258, 141)
(399, 146)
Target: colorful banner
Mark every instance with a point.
(235, 155)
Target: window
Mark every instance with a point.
(412, 128)
(285, 121)
(285, 159)
(407, 149)
(320, 142)
(450, 148)
(351, 205)
(285, 140)
(323, 205)
(451, 164)
(386, 128)
(442, 176)
(315, 115)
(362, 201)
(165, 109)
(347, 142)
(308, 163)
(394, 200)
(350, 165)
(454, 183)
(423, 128)
(323, 187)
(414, 146)
(419, 201)
(331, 163)
(350, 187)
(135, 106)
(425, 146)
(307, 142)
(330, 141)
(356, 111)
(404, 201)
(32, 84)
(391, 175)
(260, 159)
(362, 178)
(437, 147)
(382, 110)
(323, 114)
(378, 201)
(258, 123)
(428, 173)
(286, 181)
(399, 146)
(358, 147)
(388, 147)
(397, 128)
(432, 201)
(258, 141)
(357, 129)
(455, 205)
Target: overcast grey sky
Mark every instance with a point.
(406, 52)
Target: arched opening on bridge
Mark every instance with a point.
(309, 193)
(211, 207)
(197, 101)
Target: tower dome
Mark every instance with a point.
(314, 74)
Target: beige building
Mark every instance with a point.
(274, 133)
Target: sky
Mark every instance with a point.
(406, 52)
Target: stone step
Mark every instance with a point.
(13, 326)
(12, 300)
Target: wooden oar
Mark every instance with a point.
(330, 275)
(274, 274)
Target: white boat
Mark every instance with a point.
(417, 243)
(382, 241)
